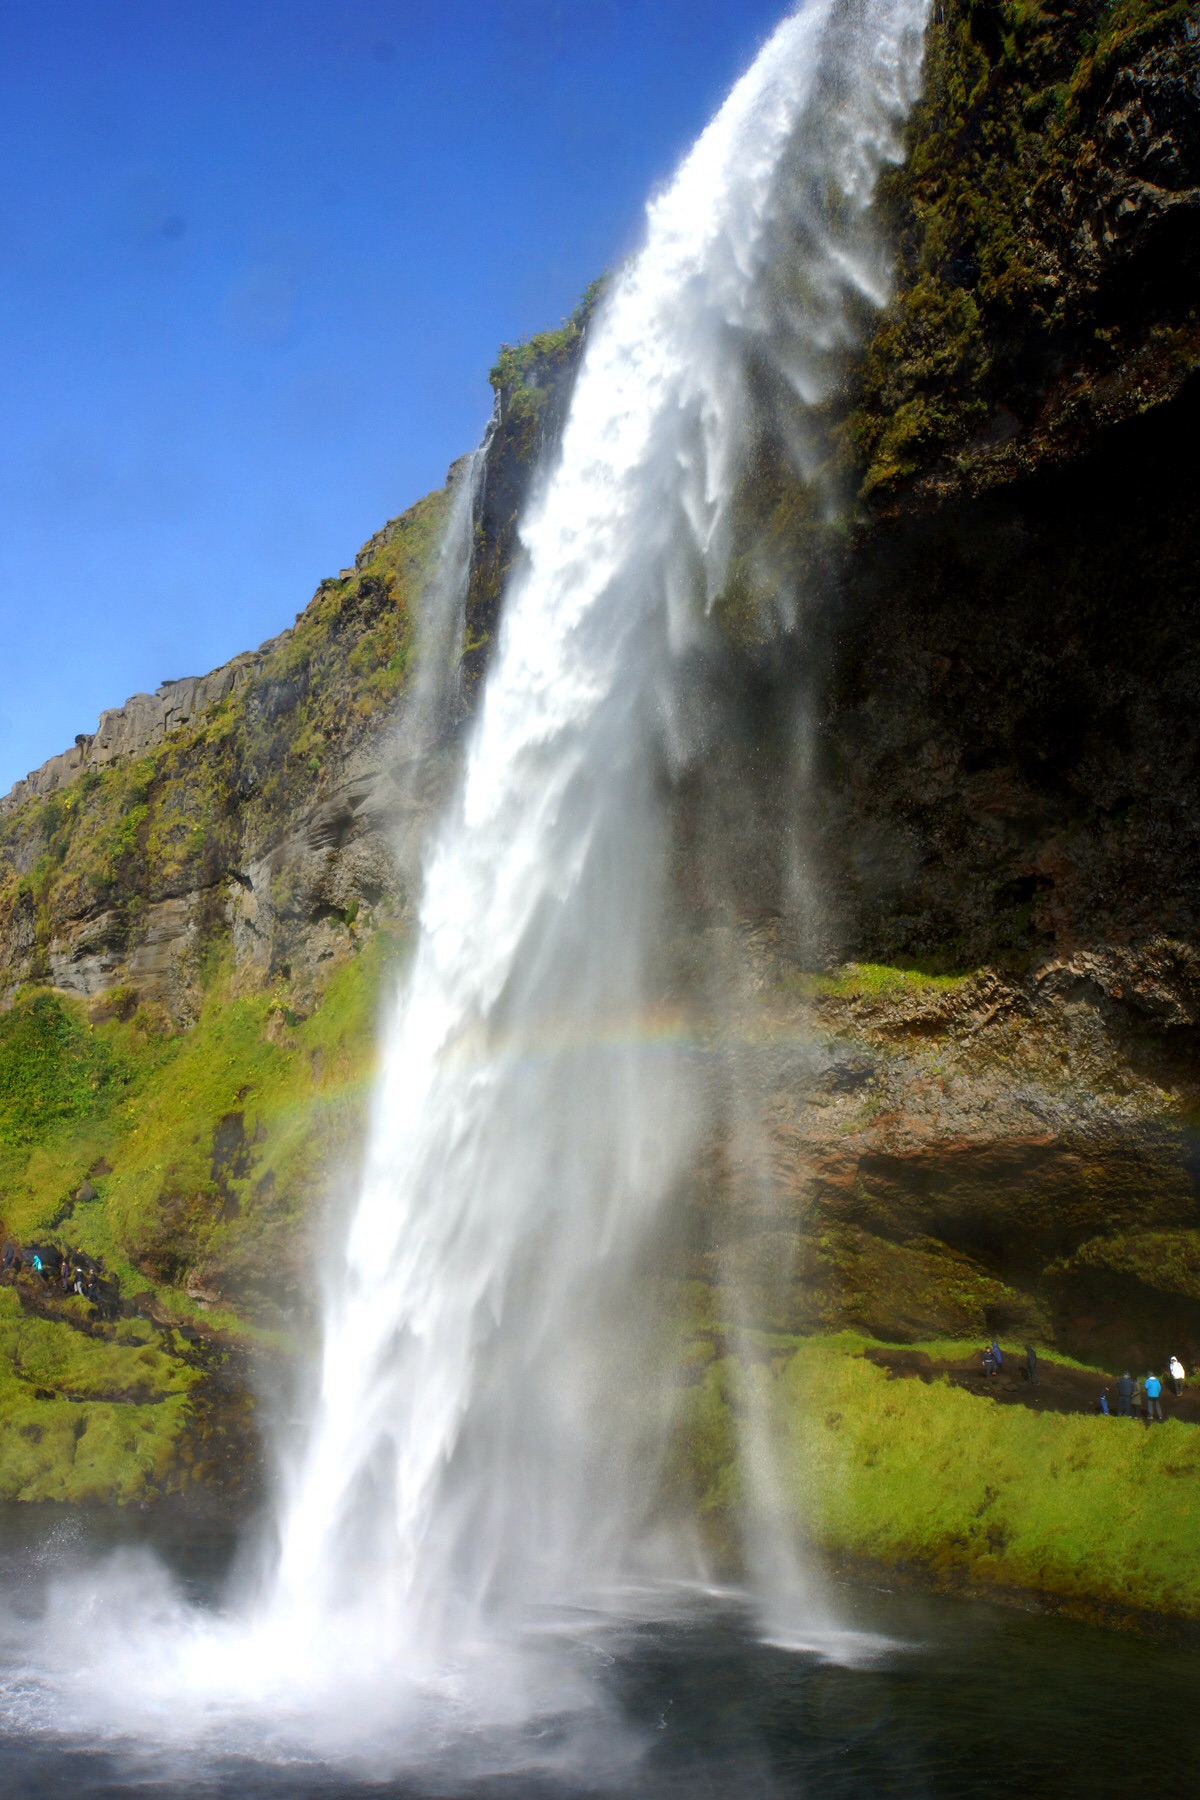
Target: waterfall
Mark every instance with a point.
(496, 1384)
(435, 702)
(492, 1400)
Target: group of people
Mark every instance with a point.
(1139, 1398)
(68, 1271)
(993, 1362)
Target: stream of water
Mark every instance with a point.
(495, 1393)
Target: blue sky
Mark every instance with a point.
(255, 261)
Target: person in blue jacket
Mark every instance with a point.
(1153, 1402)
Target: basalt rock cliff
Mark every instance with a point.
(974, 858)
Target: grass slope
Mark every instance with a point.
(1098, 1513)
(195, 1164)
(86, 1418)
(197, 1149)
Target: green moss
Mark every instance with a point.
(184, 1191)
(85, 1418)
(884, 981)
(988, 295)
(899, 1291)
(1092, 1510)
(1167, 1262)
(54, 1071)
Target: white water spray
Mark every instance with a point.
(495, 1389)
(492, 1393)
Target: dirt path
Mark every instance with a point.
(1059, 1389)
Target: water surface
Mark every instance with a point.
(964, 1702)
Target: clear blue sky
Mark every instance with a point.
(256, 257)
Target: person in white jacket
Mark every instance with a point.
(1176, 1368)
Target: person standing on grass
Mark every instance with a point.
(1125, 1396)
(1177, 1376)
(1031, 1368)
(1104, 1401)
(1153, 1402)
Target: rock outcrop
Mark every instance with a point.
(140, 725)
(966, 790)
(247, 803)
(1048, 223)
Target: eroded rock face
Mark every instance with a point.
(957, 831)
(921, 1157)
(1005, 741)
(263, 807)
(141, 724)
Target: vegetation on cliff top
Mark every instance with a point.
(532, 381)
(525, 375)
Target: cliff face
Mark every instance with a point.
(977, 771)
(948, 855)
(228, 802)
(1047, 228)
(269, 798)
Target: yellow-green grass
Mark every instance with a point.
(85, 1419)
(885, 981)
(137, 1113)
(151, 1111)
(1096, 1512)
